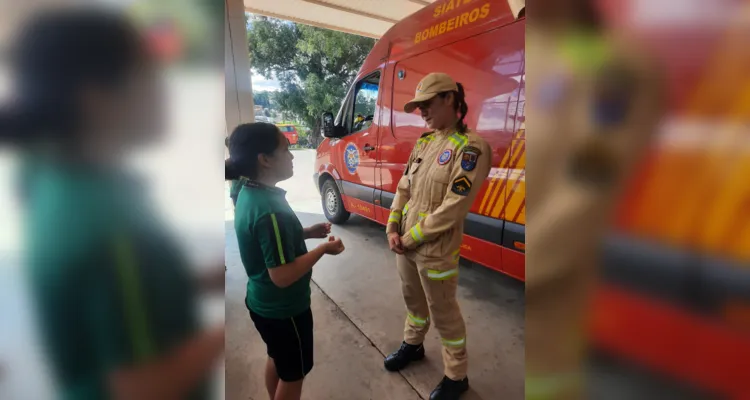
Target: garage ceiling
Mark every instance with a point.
(371, 18)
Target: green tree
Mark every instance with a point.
(314, 66)
(262, 99)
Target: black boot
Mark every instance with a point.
(449, 389)
(402, 357)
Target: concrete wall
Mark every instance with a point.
(239, 92)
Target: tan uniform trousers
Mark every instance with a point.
(430, 297)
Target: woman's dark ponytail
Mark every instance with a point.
(9, 128)
(462, 108)
(230, 171)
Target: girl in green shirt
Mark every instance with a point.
(272, 246)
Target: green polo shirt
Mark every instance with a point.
(269, 235)
(234, 192)
(110, 287)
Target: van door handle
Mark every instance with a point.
(369, 148)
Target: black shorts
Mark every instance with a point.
(289, 342)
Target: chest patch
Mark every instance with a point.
(445, 156)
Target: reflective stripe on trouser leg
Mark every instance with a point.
(415, 300)
(440, 289)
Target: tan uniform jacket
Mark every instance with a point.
(436, 192)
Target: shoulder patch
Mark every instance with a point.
(472, 149)
(469, 157)
(461, 186)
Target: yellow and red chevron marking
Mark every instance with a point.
(505, 197)
(696, 193)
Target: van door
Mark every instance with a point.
(355, 153)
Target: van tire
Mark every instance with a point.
(333, 205)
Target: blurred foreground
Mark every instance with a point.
(176, 167)
(673, 295)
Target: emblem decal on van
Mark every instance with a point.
(445, 157)
(351, 158)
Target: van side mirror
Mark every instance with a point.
(327, 124)
(330, 130)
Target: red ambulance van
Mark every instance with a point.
(479, 43)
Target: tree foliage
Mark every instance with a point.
(262, 99)
(314, 66)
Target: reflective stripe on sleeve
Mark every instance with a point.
(459, 140)
(418, 321)
(454, 343)
(441, 275)
(456, 256)
(425, 139)
(422, 216)
(278, 238)
(395, 217)
(406, 208)
(416, 234)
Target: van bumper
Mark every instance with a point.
(316, 176)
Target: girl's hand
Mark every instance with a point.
(318, 231)
(334, 246)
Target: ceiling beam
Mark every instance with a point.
(311, 23)
(421, 2)
(351, 10)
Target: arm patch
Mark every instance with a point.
(469, 157)
(461, 186)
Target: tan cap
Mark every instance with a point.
(429, 87)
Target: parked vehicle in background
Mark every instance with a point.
(290, 131)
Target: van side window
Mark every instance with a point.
(365, 100)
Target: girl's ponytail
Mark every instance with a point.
(230, 171)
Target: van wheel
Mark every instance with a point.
(333, 205)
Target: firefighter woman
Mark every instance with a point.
(443, 175)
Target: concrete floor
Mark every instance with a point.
(359, 316)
